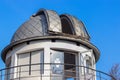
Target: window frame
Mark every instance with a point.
(30, 61)
(76, 60)
(88, 64)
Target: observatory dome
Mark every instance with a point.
(47, 23)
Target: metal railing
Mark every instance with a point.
(52, 71)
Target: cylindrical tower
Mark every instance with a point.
(51, 47)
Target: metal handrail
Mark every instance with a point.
(99, 76)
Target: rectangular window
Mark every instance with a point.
(63, 65)
(31, 63)
(57, 65)
(70, 66)
(23, 59)
(37, 59)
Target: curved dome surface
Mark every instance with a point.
(47, 22)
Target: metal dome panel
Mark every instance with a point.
(31, 28)
(54, 21)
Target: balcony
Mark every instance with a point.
(52, 71)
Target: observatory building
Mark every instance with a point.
(50, 47)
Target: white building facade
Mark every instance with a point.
(51, 47)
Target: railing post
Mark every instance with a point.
(100, 75)
(50, 71)
(80, 72)
(63, 71)
(6, 73)
(1, 75)
(19, 72)
(84, 73)
(41, 71)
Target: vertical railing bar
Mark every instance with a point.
(94, 77)
(41, 71)
(50, 71)
(7, 73)
(100, 75)
(80, 75)
(30, 64)
(1, 74)
(63, 71)
(84, 73)
(19, 72)
(80, 72)
(77, 72)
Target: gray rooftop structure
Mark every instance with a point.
(47, 24)
(46, 21)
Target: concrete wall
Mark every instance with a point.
(47, 45)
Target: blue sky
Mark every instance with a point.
(101, 18)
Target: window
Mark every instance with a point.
(88, 65)
(57, 58)
(70, 65)
(69, 61)
(23, 59)
(57, 67)
(63, 65)
(36, 58)
(31, 63)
